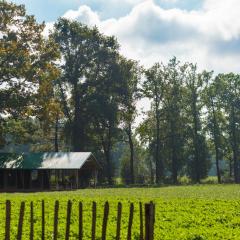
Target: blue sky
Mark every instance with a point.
(50, 10)
(206, 32)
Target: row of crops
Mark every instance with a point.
(186, 213)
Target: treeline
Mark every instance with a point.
(74, 91)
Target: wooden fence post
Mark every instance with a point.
(149, 221)
(20, 221)
(80, 233)
(141, 220)
(153, 219)
(69, 209)
(31, 222)
(105, 219)
(55, 228)
(119, 215)
(94, 210)
(8, 220)
(130, 221)
(43, 220)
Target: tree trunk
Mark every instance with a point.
(196, 143)
(234, 146)
(64, 102)
(174, 154)
(56, 135)
(230, 168)
(217, 163)
(151, 172)
(107, 145)
(159, 163)
(109, 167)
(77, 128)
(216, 142)
(129, 132)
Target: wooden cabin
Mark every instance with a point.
(47, 171)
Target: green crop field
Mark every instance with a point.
(184, 212)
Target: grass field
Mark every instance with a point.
(184, 212)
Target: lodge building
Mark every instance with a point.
(47, 171)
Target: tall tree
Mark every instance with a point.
(230, 98)
(106, 96)
(153, 88)
(78, 45)
(131, 75)
(216, 120)
(26, 60)
(173, 112)
(27, 67)
(198, 151)
(147, 137)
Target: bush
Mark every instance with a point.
(210, 180)
(184, 180)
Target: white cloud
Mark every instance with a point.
(84, 14)
(209, 36)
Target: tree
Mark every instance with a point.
(198, 152)
(216, 121)
(147, 137)
(91, 71)
(173, 112)
(141, 170)
(107, 91)
(131, 75)
(230, 98)
(27, 67)
(153, 88)
(78, 45)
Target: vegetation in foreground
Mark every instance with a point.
(188, 213)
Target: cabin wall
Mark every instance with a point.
(46, 179)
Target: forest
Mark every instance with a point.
(73, 90)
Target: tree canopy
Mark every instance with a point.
(73, 90)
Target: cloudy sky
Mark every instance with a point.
(206, 32)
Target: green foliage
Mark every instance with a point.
(73, 90)
(182, 213)
(27, 71)
(26, 64)
(140, 165)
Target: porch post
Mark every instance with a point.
(5, 179)
(23, 175)
(30, 178)
(77, 177)
(42, 178)
(95, 177)
(16, 180)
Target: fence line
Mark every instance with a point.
(20, 221)
(80, 233)
(55, 228)
(119, 215)
(105, 219)
(43, 220)
(8, 220)
(141, 221)
(94, 213)
(149, 221)
(130, 221)
(69, 210)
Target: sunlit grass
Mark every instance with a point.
(184, 212)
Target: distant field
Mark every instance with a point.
(185, 212)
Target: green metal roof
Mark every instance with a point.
(46, 160)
